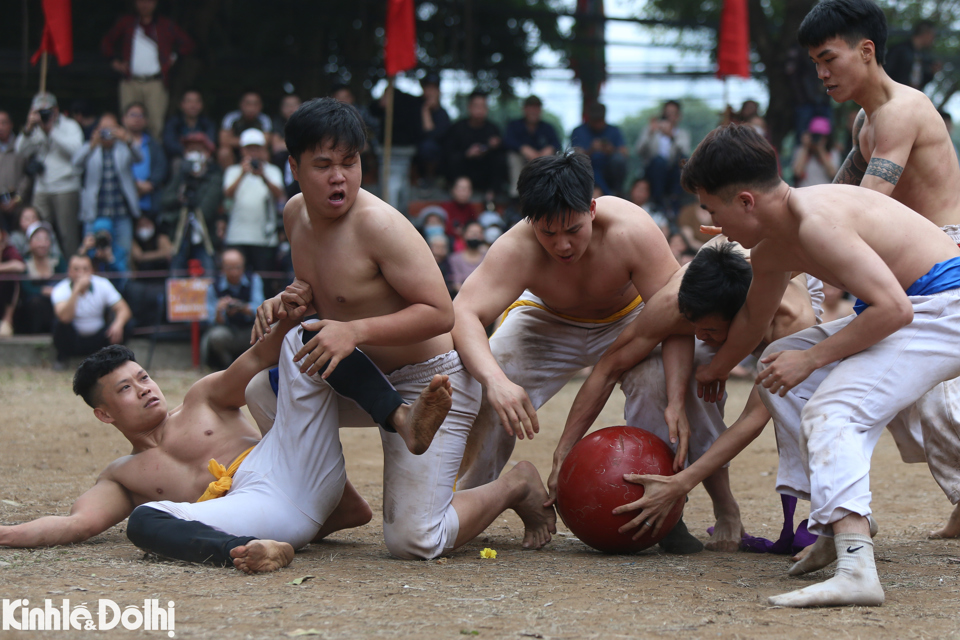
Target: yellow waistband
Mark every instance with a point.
(224, 477)
(611, 318)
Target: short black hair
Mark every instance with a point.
(924, 26)
(553, 187)
(86, 381)
(476, 93)
(716, 281)
(138, 105)
(851, 20)
(731, 155)
(675, 103)
(324, 121)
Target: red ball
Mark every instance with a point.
(591, 485)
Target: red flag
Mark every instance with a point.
(400, 47)
(57, 32)
(733, 46)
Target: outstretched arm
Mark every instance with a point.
(98, 509)
(855, 166)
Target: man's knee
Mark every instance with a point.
(414, 540)
(142, 525)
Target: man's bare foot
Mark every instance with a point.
(727, 534)
(821, 553)
(538, 522)
(952, 528)
(260, 556)
(352, 511)
(419, 422)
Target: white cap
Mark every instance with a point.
(252, 137)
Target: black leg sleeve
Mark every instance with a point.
(357, 378)
(163, 534)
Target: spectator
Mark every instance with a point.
(432, 222)
(52, 139)
(278, 146)
(109, 186)
(911, 62)
(189, 120)
(150, 171)
(493, 225)
(142, 48)
(231, 302)
(106, 255)
(152, 251)
(806, 89)
(662, 147)
(460, 208)
(527, 138)
(465, 262)
(190, 203)
(35, 311)
(606, 147)
(13, 182)
(11, 262)
(440, 248)
(254, 186)
(434, 123)
(85, 115)
(28, 223)
(249, 116)
(816, 160)
(474, 147)
(81, 303)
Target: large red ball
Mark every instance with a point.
(591, 485)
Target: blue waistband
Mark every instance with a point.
(943, 276)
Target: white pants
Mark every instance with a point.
(419, 521)
(828, 426)
(541, 351)
(290, 483)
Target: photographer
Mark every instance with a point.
(109, 188)
(816, 160)
(190, 202)
(52, 139)
(98, 245)
(231, 302)
(661, 147)
(255, 187)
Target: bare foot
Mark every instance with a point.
(538, 522)
(259, 556)
(419, 422)
(352, 511)
(727, 534)
(952, 528)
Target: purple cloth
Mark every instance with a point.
(788, 542)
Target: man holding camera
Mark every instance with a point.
(231, 303)
(51, 139)
(190, 202)
(255, 187)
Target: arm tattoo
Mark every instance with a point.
(889, 171)
(855, 166)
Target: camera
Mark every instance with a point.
(45, 115)
(102, 239)
(106, 134)
(255, 164)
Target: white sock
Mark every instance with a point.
(856, 581)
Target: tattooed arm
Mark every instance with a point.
(894, 139)
(855, 166)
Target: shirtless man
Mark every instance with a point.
(848, 374)
(901, 146)
(173, 451)
(377, 286)
(700, 299)
(567, 281)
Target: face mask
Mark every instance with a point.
(474, 243)
(144, 233)
(432, 232)
(195, 160)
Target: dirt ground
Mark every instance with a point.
(52, 449)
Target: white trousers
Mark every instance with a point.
(541, 351)
(828, 426)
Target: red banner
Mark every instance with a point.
(733, 41)
(57, 32)
(400, 47)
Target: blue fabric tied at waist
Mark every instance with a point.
(943, 276)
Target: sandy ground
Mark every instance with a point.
(52, 449)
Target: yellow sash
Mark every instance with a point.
(611, 318)
(224, 477)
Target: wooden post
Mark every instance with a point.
(387, 143)
(43, 72)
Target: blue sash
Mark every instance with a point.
(943, 276)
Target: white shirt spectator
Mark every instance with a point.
(91, 306)
(231, 118)
(253, 216)
(144, 56)
(56, 151)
